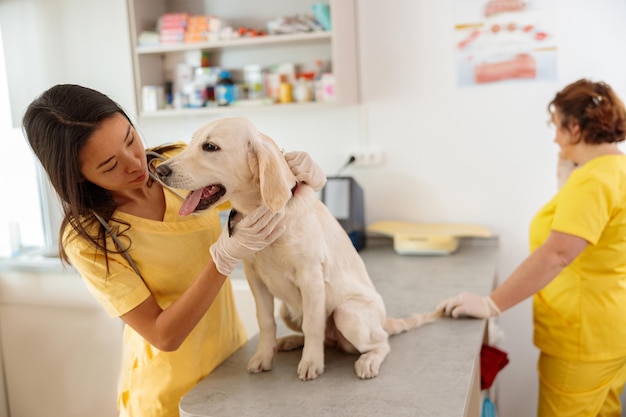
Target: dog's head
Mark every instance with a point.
(229, 159)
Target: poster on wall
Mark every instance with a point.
(505, 41)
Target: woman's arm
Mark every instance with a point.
(167, 329)
(534, 273)
(538, 269)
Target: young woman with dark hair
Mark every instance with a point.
(142, 261)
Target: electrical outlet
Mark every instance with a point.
(368, 158)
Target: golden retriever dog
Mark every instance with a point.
(313, 268)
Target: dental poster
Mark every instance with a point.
(505, 41)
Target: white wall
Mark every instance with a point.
(66, 41)
(480, 155)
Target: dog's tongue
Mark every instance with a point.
(193, 199)
(190, 202)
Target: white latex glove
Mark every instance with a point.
(253, 233)
(305, 169)
(466, 304)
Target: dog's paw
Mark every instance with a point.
(308, 370)
(368, 365)
(291, 342)
(260, 363)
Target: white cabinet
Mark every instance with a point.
(153, 64)
(61, 351)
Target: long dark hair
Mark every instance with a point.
(57, 125)
(595, 107)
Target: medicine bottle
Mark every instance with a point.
(285, 92)
(225, 89)
(303, 90)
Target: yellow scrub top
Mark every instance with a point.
(170, 255)
(581, 314)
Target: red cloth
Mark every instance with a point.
(492, 360)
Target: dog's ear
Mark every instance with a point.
(275, 177)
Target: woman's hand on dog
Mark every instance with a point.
(306, 170)
(254, 232)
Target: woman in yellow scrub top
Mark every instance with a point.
(176, 300)
(577, 266)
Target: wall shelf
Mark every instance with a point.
(153, 65)
(228, 110)
(233, 43)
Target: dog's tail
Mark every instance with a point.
(394, 326)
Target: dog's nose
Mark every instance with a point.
(163, 171)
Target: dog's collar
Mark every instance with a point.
(233, 212)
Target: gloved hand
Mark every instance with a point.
(253, 233)
(305, 169)
(467, 304)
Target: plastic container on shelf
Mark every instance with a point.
(321, 11)
(253, 81)
(272, 84)
(225, 89)
(153, 97)
(285, 90)
(303, 89)
(194, 95)
(327, 88)
(205, 79)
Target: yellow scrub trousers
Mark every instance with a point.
(580, 389)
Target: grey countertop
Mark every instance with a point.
(429, 372)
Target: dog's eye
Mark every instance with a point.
(210, 147)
